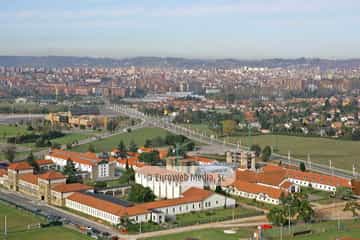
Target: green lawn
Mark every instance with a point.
(48, 234)
(207, 234)
(201, 127)
(71, 137)
(320, 231)
(18, 221)
(342, 153)
(8, 131)
(214, 215)
(194, 218)
(138, 136)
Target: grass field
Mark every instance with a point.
(18, 220)
(71, 137)
(8, 131)
(342, 153)
(195, 218)
(214, 215)
(48, 234)
(320, 231)
(138, 136)
(207, 234)
(200, 128)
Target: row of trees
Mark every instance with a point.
(265, 153)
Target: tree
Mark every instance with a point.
(266, 154)
(229, 127)
(32, 162)
(121, 147)
(148, 143)
(356, 135)
(277, 216)
(256, 148)
(70, 171)
(353, 207)
(91, 148)
(305, 211)
(302, 167)
(140, 194)
(149, 157)
(9, 152)
(219, 190)
(56, 145)
(128, 176)
(133, 147)
(343, 193)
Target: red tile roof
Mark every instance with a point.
(3, 172)
(256, 189)
(52, 175)
(30, 178)
(44, 162)
(20, 166)
(273, 178)
(319, 178)
(306, 176)
(72, 187)
(189, 196)
(132, 161)
(106, 206)
(87, 158)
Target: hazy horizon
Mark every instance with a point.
(246, 30)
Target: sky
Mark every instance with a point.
(242, 29)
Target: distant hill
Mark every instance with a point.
(65, 61)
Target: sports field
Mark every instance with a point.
(18, 221)
(138, 136)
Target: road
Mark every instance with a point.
(13, 118)
(32, 205)
(219, 145)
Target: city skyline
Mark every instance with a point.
(220, 29)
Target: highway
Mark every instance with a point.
(220, 146)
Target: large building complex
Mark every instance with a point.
(96, 166)
(192, 200)
(270, 182)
